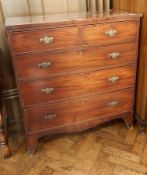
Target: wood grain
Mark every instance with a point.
(28, 41)
(73, 34)
(88, 153)
(77, 85)
(3, 138)
(92, 107)
(74, 60)
(96, 34)
(140, 7)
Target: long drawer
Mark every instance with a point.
(51, 64)
(42, 40)
(101, 34)
(33, 92)
(74, 111)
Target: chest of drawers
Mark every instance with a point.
(74, 73)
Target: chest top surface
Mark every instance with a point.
(23, 22)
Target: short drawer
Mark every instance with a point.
(62, 87)
(43, 40)
(101, 34)
(51, 64)
(80, 110)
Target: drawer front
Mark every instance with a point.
(51, 64)
(101, 34)
(43, 40)
(34, 92)
(59, 114)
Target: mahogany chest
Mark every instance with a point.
(74, 71)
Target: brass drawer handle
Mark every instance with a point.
(114, 55)
(47, 40)
(47, 91)
(50, 116)
(111, 33)
(44, 65)
(113, 79)
(113, 103)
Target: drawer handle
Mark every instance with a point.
(114, 55)
(111, 33)
(113, 79)
(47, 40)
(44, 65)
(47, 91)
(50, 116)
(113, 103)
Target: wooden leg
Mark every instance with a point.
(128, 119)
(3, 140)
(32, 142)
(141, 124)
(142, 128)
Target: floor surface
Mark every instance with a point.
(110, 149)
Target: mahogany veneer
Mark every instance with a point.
(85, 58)
(74, 72)
(93, 107)
(77, 85)
(26, 41)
